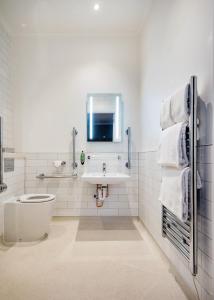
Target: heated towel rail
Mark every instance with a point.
(184, 235)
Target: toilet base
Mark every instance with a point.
(23, 243)
(26, 222)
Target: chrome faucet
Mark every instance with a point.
(104, 168)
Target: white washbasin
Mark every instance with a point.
(107, 178)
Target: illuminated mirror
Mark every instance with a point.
(104, 118)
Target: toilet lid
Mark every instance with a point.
(36, 198)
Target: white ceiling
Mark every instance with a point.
(74, 16)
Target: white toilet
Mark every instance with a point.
(27, 217)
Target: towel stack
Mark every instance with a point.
(174, 192)
(175, 109)
(173, 156)
(173, 147)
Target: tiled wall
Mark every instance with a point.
(6, 105)
(14, 180)
(150, 214)
(75, 197)
(206, 221)
(15, 185)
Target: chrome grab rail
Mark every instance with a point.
(74, 134)
(3, 186)
(128, 163)
(43, 176)
(193, 166)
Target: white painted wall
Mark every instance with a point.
(177, 42)
(52, 76)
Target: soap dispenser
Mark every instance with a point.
(82, 158)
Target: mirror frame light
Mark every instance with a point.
(118, 122)
(91, 118)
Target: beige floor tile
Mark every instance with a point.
(62, 268)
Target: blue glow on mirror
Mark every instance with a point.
(91, 118)
(117, 118)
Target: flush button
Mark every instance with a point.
(8, 165)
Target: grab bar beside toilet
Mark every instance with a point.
(3, 186)
(43, 176)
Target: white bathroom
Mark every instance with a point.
(106, 150)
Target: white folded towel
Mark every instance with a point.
(179, 105)
(172, 150)
(174, 192)
(165, 114)
(175, 108)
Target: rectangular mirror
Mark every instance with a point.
(104, 118)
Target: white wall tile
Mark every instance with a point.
(76, 196)
(15, 179)
(150, 213)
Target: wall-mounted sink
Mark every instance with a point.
(107, 178)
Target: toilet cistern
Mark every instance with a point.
(104, 168)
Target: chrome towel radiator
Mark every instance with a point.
(184, 236)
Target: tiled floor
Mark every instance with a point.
(107, 229)
(111, 259)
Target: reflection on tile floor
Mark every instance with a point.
(107, 229)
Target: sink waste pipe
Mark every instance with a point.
(102, 194)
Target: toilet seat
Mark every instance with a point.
(36, 198)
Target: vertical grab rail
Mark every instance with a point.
(193, 175)
(3, 186)
(128, 163)
(74, 134)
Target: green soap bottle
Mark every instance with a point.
(82, 158)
